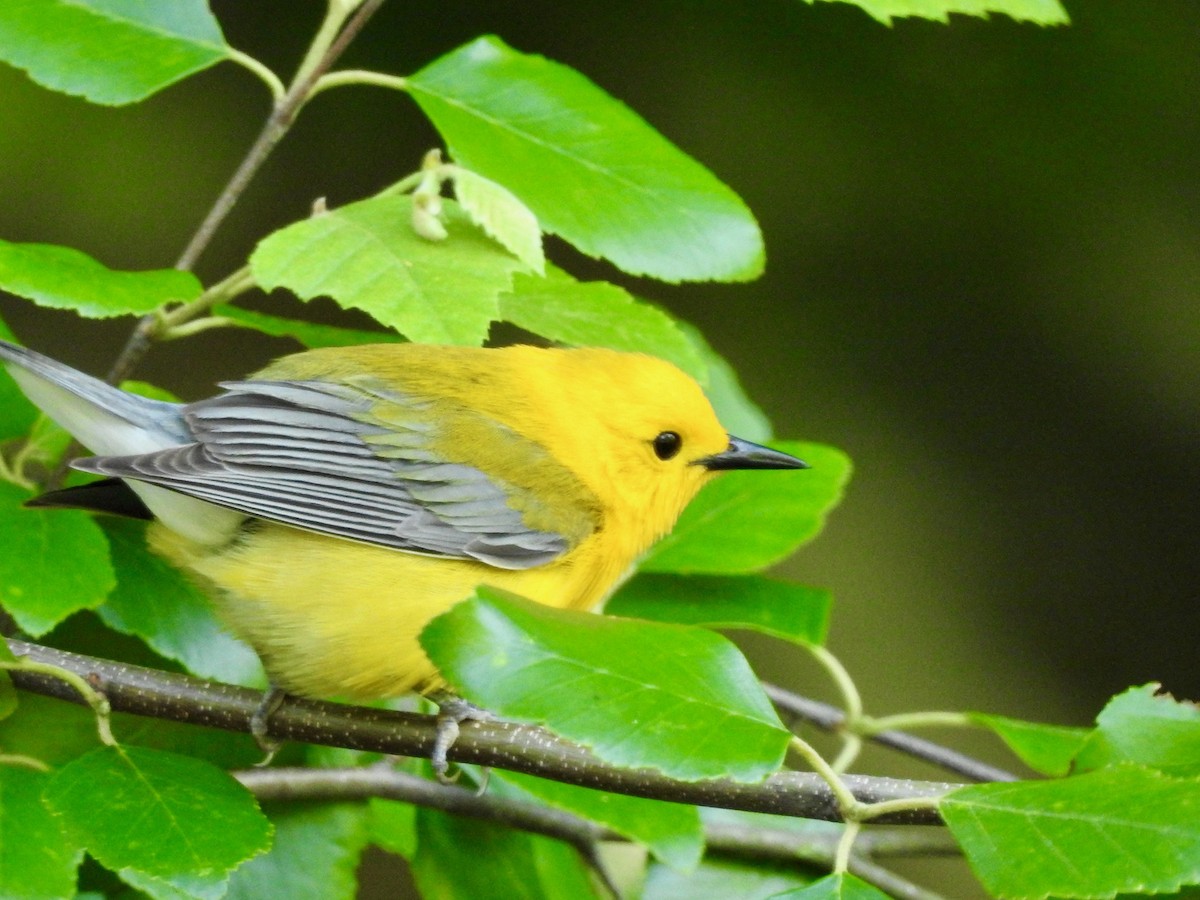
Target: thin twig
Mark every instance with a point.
(283, 114)
(276, 126)
(499, 744)
(830, 718)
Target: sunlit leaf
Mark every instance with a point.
(64, 278)
(843, 886)
(1048, 749)
(1125, 829)
(109, 51)
(1145, 727)
(367, 256)
(1041, 12)
(597, 314)
(591, 170)
(506, 219)
(671, 697)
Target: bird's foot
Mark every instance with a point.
(260, 722)
(452, 711)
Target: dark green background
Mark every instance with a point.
(983, 266)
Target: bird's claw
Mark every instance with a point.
(452, 712)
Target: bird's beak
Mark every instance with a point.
(745, 455)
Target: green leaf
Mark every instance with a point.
(466, 859)
(1041, 12)
(836, 887)
(315, 855)
(1123, 829)
(8, 695)
(505, 218)
(745, 521)
(597, 314)
(157, 603)
(55, 562)
(63, 278)
(178, 887)
(393, 826)
(670, 831)
(109, 51)
(1147, 728)
(591, 170)
(777, 608)
(159, 813)
(17, 414)
(721, 879)
(310, 334)
(738, 413)
(675, 698)
(48, 730)
(367, 256)
(36, 859)
(1049, 749)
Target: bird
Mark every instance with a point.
(339, 499)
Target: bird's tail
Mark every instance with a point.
(105, 419)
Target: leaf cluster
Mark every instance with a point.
(149, 807)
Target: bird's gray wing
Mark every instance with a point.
(323, 457)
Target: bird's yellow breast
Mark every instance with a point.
(331, 617)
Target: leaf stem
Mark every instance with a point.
(94, 698)
(830, 718)
(269, 78)
(347, 77)
(869, 725)
(841, 859)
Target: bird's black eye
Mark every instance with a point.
(667, 444)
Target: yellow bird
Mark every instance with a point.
(340, 498)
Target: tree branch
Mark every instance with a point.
(738, 841)
(830, 718)
(503, 745)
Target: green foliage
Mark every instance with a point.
(41, 862)
(835, 887)
(63, 278)
(314, 855)
(1144, 727)
(163, 814)
(1042, 12)
(783, 610)
(155, 602)
(1049, 749)
(679, 699)
(670, 831)
(720, 532)
(461, 859)
(1121, 829)
(38, 591)
(367, 256)
(109, 51)
(720, 879)
(591, 170)
(536, 147)
(597, 314)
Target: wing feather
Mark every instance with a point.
(318, 456)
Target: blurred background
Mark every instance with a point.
(983, 265)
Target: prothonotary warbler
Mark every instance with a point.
(340, 498)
